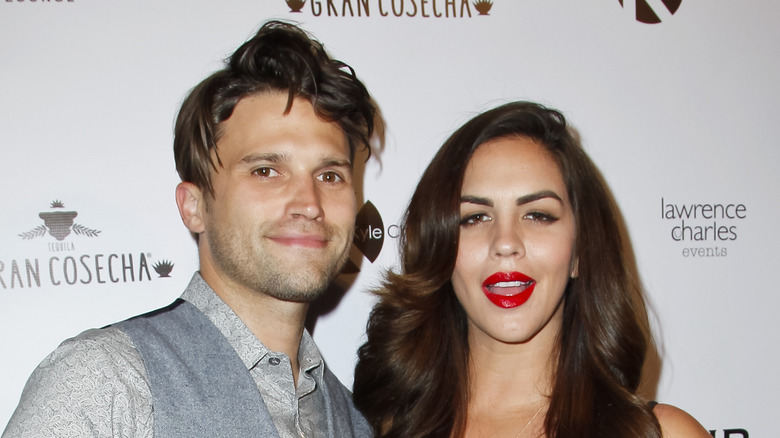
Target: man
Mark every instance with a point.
(264, 148)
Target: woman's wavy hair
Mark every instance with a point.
(411, 379)
(281, 57)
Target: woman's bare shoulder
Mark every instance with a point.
(676, 423)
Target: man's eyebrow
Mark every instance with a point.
(271, 157)
(531, 197)
(336, 162)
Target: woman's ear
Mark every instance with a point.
(575, 266)
(189, 199)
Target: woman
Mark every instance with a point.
(515, 313)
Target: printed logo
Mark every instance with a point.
(392, 8)
(703, 229)
(483, 6)
(730, 433)
(369, 231)
(370, 235)
(64, 265)
(296, 5)
(647, 13)
(59, 224)
(163, 268)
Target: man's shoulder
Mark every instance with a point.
(94, 356)
(108, 344)
(91, 382)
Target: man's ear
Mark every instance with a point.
(189, 199)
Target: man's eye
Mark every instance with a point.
(265, 172)
(330, 177)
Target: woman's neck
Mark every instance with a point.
(509, 387)
(518, 373)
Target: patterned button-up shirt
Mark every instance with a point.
(95, 384)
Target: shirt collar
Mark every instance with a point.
(310, 357)
(248, 347)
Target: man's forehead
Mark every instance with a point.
(259, 127)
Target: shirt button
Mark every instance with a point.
(274, 361)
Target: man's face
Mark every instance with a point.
(282, 216)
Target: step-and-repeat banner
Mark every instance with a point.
(675, 100)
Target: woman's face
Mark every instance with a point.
(515, 253)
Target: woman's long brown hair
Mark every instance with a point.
(411, 379)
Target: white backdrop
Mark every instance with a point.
(675, 113)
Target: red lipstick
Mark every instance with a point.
(508, 289)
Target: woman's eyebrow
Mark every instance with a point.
(531, 197)
(477, 200)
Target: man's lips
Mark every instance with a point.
(301, 240)
(508, 289)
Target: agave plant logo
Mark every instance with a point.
(483, 6)
(58, 223)
(646, 14)
(295, 5)
(163, 268)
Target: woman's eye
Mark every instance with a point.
(265, 172)
(540, 217)
(474, 219)
(330, 177)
